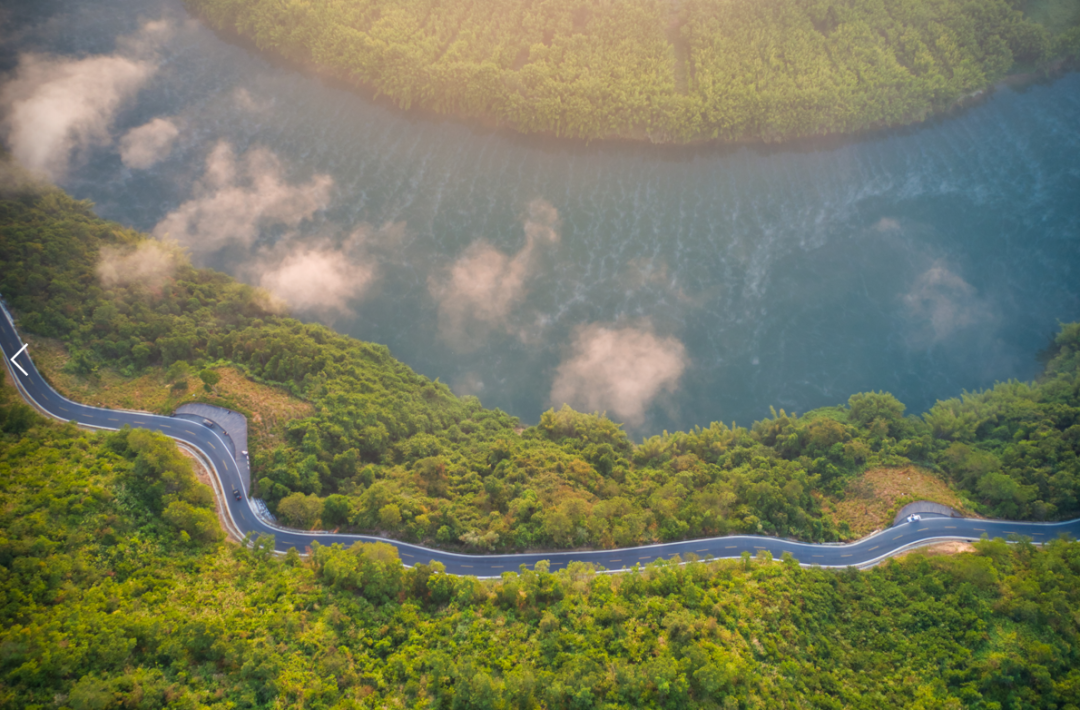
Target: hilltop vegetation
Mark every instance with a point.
(663, 70)
(387, 450)
(103, 605)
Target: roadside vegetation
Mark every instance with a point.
(375, 447)
(871, 500)
(115, 593)
(155, 389)
(665, 70)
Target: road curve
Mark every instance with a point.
(243, 520)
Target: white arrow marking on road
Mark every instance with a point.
(25, 373)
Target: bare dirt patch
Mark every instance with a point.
(870, 501)
(939, 549)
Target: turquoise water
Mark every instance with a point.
(922, 262)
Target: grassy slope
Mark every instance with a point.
(870, 501)
(268, 409)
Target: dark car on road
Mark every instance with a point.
(237, 495)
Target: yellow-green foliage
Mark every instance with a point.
(387, 450)
(102, 607)
(662, 69)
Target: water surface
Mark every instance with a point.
(922, 262)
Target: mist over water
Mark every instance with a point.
(715, 281)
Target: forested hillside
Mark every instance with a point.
(103, 605)
(389, 451)
(662, 70)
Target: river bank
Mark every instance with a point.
(488, 123)
(693, 85)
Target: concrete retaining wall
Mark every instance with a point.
(925, 506)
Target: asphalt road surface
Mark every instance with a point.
(208, 444)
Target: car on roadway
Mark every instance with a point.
(207, 423)
(237, 495)
(914, 518)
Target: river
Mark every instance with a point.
(669, 286)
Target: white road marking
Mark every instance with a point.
(25, 373)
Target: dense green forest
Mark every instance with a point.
(103, 605)
(390, 451)
(662, 70)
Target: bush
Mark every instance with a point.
(300, 510)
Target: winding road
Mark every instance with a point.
(212, 449)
